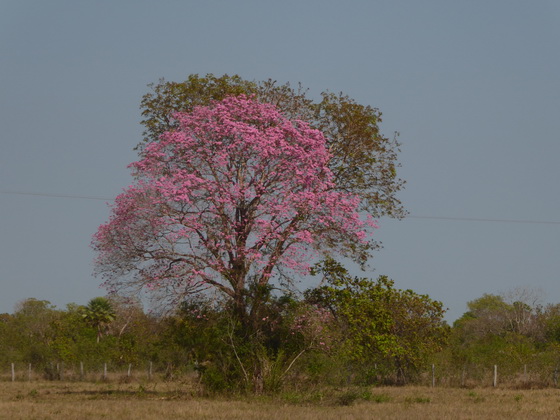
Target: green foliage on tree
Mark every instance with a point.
(229, 357)
(39, 334)
(395, 329)
(99, 313)
(31, 331)
(349, 331)
(513, 331)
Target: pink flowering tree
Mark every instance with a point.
(235, 199)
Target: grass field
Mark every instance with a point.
(79, 400)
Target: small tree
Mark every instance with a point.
(501, 329)
(29, 335)
(99, 314)
(397, 329)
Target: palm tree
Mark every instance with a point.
(99, 313)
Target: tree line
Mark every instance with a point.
(349, 331)
(339, 331)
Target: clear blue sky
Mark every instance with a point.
(473, 88)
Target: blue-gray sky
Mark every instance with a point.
(473, 88)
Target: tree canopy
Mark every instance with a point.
(99, 313)
(232, 197)
(363, 161)
(397, 329)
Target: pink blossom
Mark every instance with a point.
(237, 191)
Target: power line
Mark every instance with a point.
(453, 219)
(472, 219)
(86, 197)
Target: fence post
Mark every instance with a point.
(495, 383)
(433, 375)
(104, 371)
(82, 370)
(13, 372)
(129, 370)
(29, 373)
(150, 371)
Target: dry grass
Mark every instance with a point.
(79, 400)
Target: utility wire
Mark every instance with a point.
(472, 219)
(453, 219)
(86, 197)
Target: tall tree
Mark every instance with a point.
(363, 161)
(234, 196)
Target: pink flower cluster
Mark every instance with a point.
(237, 190)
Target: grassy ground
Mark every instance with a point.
(78, 400)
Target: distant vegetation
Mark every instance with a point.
(348, 332)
